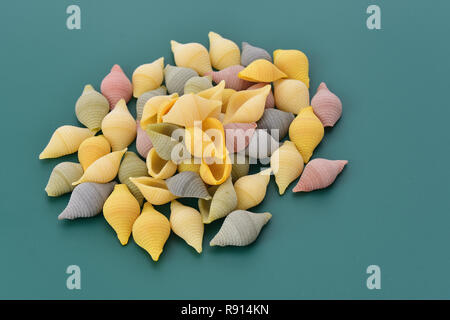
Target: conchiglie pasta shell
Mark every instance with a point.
(189, 165)
(261, 70)
(240, 228)
(215, 173)
(176, 78)
(238, 135)
(226, 95)
(270, 101)
(159, 168)
(143, 98)
(160, 135)
(197, 84)
(319, 173)
(119, 127)
(132, 166)
(213, 93)
(62, 177)
(251, 53)
(294, 63)
(246, 106)
(187, 184)
(306, 131)
(251, 189)
(154, 107)
(327, 106)
(274, 119)
(143, 143)
(116, 86)
(151, 231)
(223, 52)
(104, 169)
(286, 164)
(186, 222)
(207, 141)
(91, 149)
(230, 76)
(148, 77)
(191, 55)
(240, 166)
(291, 95)
(121, 210)
(190, 108)
(262, 145)
(154, 190)
(87, 200)
(224, 200)
(91, 107)
(65, 140)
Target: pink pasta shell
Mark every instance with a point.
(115, 86)
(143, 143)
(238, 135)
(230, 75)
(326, 105)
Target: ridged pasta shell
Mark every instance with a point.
(159, 168)
(65, 140)
(262, 145)
(189, 165)
(190, 108)
(326, 105)
(160, 135)
(151, 231)
(154, 190)
(306, 131)
(91, 107)
(270, 100)
(240, 166)
(155, 107)
(286, 164)
(176, 78)
(104, 169)
(213, 93)
(230, 76)
(132, 166)
(87, 200)
(207, 141)
(121, 210)
(61, 178)
(251, 53)
(143, 143)
(116, 86)
(186, 222)
(226, 95)
(291, 95)
(187, 184)
(294, 63)
(274, 119)
(91, 149)
(119, 127)
(217, 172)
(261, 70)
(223, 52)
(148, 77)
(240, 228)
(191, 55)
(238, 135)
(224, 200)
(143, 98)
(319, 173)
(251, 189)
(197, 84)
(246, 106)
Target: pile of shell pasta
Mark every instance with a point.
(197, 132)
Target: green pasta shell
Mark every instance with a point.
(240, 166)
(91, 107)
(224, 200)
(132, 167)
(61, 178)
(197, 84)
(160, 135)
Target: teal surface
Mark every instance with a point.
(390, 206)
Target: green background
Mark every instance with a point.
(389, 207)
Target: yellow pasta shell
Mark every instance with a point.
(91, 149)
(159, 168)
(154, 190)
(191, 55)
(227, 93)
(214, 93)
(151, 231)
(251, 189)
(215, 173)
(119, 127)
(186, 222)
(286, 164)
(104, 169)
(65, 140)
(294, 63)
(189, 165)
(207, 141)
(261, 70)
(154, 106)
(120, 210)
(306, 131)
(223, 52)
(291, 95)
(148, 77)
